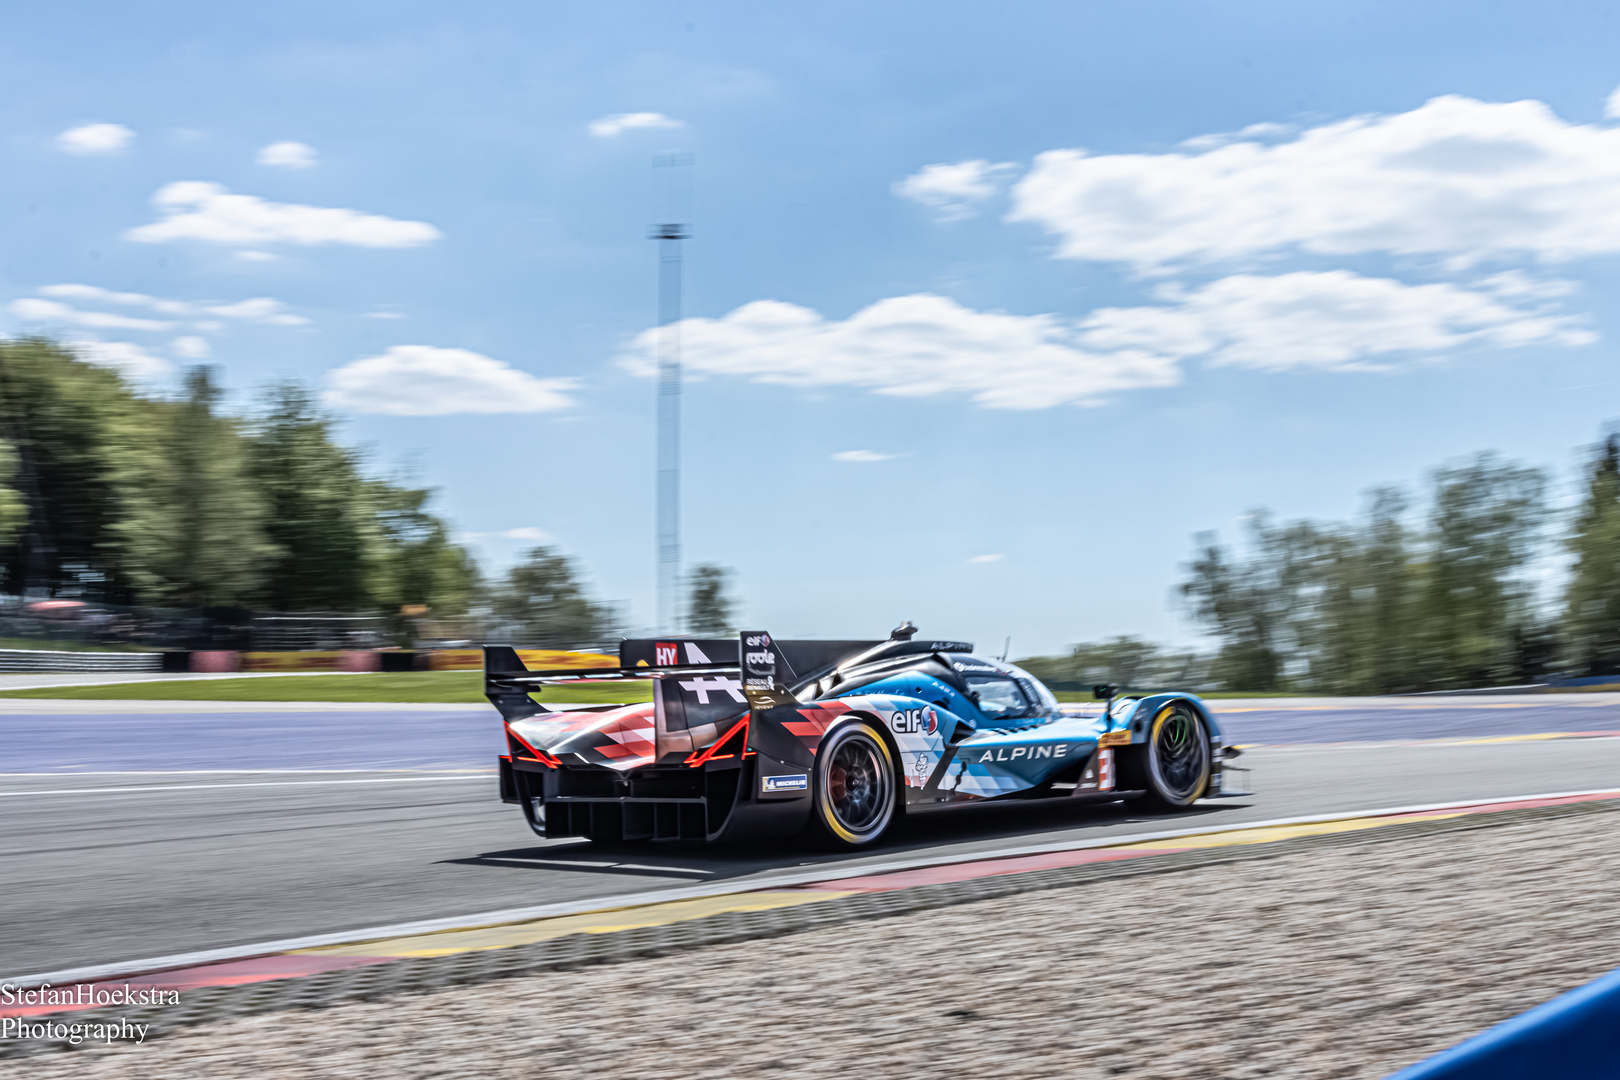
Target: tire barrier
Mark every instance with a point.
(43, 660)
(1574, 1037)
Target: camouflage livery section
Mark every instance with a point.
(756, 737)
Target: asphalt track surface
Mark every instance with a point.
(131, 830)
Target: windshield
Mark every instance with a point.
(1036, 689)
(999, 698)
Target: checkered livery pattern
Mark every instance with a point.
(621, 739)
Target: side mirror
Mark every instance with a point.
(1104, 691)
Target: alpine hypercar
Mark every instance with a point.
(756, 737)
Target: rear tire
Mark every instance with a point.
(1174, 765)
(854, 788)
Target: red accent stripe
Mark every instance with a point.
(539, 755)
(699, 758)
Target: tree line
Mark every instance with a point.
(121, 497)
(1466, 593)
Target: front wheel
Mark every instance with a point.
(1174, 765)
(854, 787)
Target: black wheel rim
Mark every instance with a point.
(857, 784)
(1179, 754)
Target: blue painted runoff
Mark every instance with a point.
(1572, 1037)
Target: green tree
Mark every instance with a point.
(1592, 597)
(541, 602)
(215, 548)
(415, 562)
(319, 520)
(1362, 633)
(87, 450)
(1255, 607)
(1485, 528)
(710, 609)
(13, 510)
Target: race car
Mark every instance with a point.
(758, 737)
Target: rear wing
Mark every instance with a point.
(508, 682)
(767, 670)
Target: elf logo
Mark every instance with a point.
(914, 721)
(665, 655)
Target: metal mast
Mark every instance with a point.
(669, 235)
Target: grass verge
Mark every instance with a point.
(429, 687)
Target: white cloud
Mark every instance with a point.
(94, 294)
(954, 190)
(1332, 320)
(95, 139)
(925, 345)
(861, 456)
(1263, 130)
(128, 359)
(385, 315)
(31, 309)
(912, 346)
(607, 127)
(255, 256)
(288, 155)
(190, 347)
(260, 309)
(523, 532)
(1611, 107)
(421, 380)
(203, 316)
(986, 558)
(1517, 285)
(198, 210)
(1456, 178)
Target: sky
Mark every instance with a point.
(988, 308)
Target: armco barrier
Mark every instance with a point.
(1572, 1037)
(22, 660)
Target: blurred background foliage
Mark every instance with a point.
(115, 496)
(122, 498)
(126, 499)
(1468, 596)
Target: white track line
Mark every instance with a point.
(132, 968)
(226, 772)
(254, 783)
